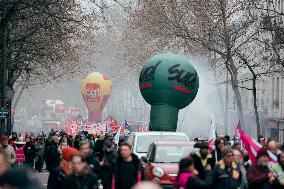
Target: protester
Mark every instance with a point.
(259, 176)
(188, 176)
(108, 165)
(13, 138)
(39, 155)
(217, 154)
(273, 147)
(99, 146)
(29, 151)
(261, 140)
(19, 146)
(63, 143)
(59, 174)
(82, 176)
(227, 172)
(52, 154)
(279, 170)
(7, 150)
(87, 153)
(239, 158)
(202, 159)
(236, 145)
(129, 170)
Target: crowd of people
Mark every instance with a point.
(84, 161)
(97, 161)
(228, 167)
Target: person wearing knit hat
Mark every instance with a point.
(7, 150)
(259, 176)
(57, 177)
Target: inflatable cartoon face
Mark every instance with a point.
(93, 92)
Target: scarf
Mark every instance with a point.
(65, 167)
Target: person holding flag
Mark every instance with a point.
(260, 176)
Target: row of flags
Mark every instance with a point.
(111, 125)
(250, 145)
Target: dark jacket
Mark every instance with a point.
(99, 149)
(93, 164)
(56, 179)
(108, 168)
(219, 156)
(128, 174)
(227, 178)
(198, 163)
(88, 180)
(29, 151)
(52, 156)
(195, 182)
(39, 146)
(258, 177)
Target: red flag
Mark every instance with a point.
(251, 146)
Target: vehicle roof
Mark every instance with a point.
(174, 143)
(159, 133)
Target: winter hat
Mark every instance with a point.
(262, 152)
(203, 145)
(68, 152)
(4, 138)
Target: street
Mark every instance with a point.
(43, 177)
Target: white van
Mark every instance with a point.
(140, 141)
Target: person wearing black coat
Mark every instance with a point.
(227, 173)
(99, 147)
(195, 182)
(108, 165)
(82, 176)
(86, 152)
(53, 156)
(29, 152)
(220, 142)
(59, 174)
(202, 159)
(129, 170)
(188, 176)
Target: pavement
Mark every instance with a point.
(43, 177)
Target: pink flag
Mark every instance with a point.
(252, 146)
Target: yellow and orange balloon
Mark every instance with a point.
(96, 89)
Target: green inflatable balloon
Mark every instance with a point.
(168, 82)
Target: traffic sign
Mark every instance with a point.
(4, 114)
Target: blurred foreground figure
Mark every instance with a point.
(146, 185)
(260, 176)
(82, 176)
(129, 170)
(58, 175)
(19, 178)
